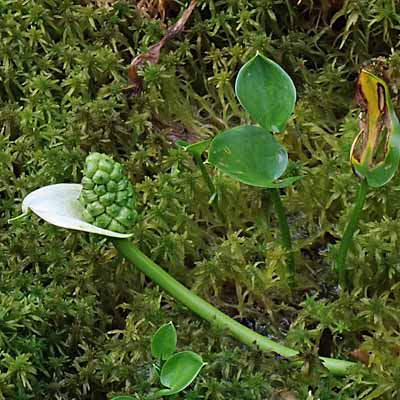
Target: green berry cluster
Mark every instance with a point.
(107, 195)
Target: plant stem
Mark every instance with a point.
(209, 182)
(348, 235)
(285, 233)
(209, 312)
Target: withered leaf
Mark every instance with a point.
(360, 355)
(373, 122)
(153, 8)
(375, 152)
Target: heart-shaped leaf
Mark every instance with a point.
(179, 371)
(58, 205)
(250, 155)
(375, 153)
(163, 343)
(266, 92)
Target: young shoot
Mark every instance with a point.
(251, 154)
(176, 370)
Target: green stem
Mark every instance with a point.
(209, 312)
(285, 233)
(209, 182)
(348, 236)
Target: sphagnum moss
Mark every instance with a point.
(57, 299)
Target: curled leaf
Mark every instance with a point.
(375, 152)
(58, 205)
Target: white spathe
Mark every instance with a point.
(58, 205)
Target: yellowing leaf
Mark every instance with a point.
(375, 152)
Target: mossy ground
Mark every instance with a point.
(75, 318)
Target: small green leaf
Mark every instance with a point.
(266, 92)
(179, 371)
(250, 155)
(163, 343)
(197, 148)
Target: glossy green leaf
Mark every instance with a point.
(375, 153)
(163, 343)
(249, 154)
(197, 148)
(179, 371)
(266, 92)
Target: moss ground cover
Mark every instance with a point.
(76, 319)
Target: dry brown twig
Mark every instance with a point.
(153, 8)
(153, 54)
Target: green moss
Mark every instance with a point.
(75, 319)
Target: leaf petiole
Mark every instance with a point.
(285, 233)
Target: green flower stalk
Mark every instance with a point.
(107, 196)
(65, 205)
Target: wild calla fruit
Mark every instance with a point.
(107, 195)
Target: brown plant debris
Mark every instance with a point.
(285, 394)
(153, 55)
(153, 8)
(361, 356)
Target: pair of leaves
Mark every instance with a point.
(248, 153)
(375, 152)
(179, 369)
